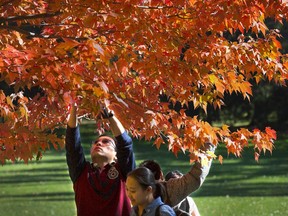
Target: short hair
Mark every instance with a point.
(153, 166)
(173, 174)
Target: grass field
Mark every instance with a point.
(240, 186)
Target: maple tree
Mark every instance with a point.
(127, 53)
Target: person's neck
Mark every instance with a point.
(101, 163)
(143, 206)
(140, 210)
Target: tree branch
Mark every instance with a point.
(154, 7)
(29, 17)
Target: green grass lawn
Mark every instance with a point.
(240, 186)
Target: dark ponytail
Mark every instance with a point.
(162, 192)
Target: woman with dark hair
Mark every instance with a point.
(144, 194)
(177, 189)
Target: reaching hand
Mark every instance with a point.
(106, 114)
(72, 117)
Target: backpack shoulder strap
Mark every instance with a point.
(157, 212)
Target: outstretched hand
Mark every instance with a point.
(106, 114)
(72, 117)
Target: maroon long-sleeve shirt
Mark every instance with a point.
(98, 193)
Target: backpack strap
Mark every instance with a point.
(157, 212)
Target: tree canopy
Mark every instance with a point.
(127, 54)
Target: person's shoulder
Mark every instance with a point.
(166, 210)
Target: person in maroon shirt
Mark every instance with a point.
(99, 185)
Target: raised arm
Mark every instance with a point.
(116, 126)
(74, 151)
(180, 188)
(125, 154)
(72, 118)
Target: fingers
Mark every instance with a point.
(106, 113)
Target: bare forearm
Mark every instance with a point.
(116, 126)
(72, 118)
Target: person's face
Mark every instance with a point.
(137, 194)
(103, 147)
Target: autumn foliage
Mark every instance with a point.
(127, 53)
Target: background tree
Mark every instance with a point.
(268, 105)
(127, 53)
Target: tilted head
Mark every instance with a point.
(104, 149)
(140, 186)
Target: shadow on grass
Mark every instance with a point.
(246, 177)
(227, 188)
(44, 169)
(236, 176)
(63, 196)
(16, 179)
